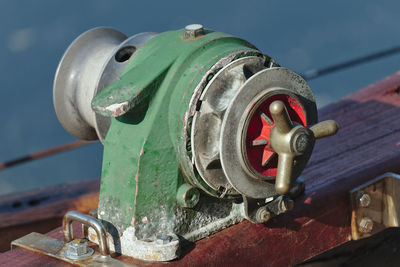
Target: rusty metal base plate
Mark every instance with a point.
(55, 248)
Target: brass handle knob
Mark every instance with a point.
(324, 129)
(290, 141)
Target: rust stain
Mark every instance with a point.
(137, 184)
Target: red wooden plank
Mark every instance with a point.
(367, 145)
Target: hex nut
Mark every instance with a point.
(364, 200)
(366, 225)
(78, 249)
(193, 31)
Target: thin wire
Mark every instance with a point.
(43, 153)
(315, 73)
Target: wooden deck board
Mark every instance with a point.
(41, 210)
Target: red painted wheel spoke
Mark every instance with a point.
(267, 156)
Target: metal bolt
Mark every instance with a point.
(364, 200)
(194, 30)
(287, 204)
(366, 225)
(262, 215)
(163, 239)
(78, 249)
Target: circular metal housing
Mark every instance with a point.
(258, 91)
(93, 61)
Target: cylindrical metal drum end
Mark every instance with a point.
(92, 62)
(76, 80)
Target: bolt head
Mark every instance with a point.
(302, 142)
(287, 204)
(364, 200)
(194, 30)
(77, 247)
(163, 239)
(366, 225)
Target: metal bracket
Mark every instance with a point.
(55, 248)
(87, 221)
(375, 206)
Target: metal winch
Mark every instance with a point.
(200, 130)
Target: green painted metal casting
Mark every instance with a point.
(146, 151)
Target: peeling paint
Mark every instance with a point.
(137, 185)
(117, 109)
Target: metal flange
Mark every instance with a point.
(254, 97)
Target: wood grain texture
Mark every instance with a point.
(367, 145)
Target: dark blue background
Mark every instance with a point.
(299, 34)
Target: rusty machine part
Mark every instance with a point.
(205, 131)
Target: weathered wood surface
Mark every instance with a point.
(41, 210)
(367, 145)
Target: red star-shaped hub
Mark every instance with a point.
(259, 153)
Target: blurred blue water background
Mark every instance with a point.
(300, 35)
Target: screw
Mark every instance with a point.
(163, 239)
(364, 200)
(194, 30)
(262, 215)
(366, 225)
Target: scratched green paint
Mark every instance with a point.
(143, 163)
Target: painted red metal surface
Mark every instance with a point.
(259, 153)
(367, 145)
